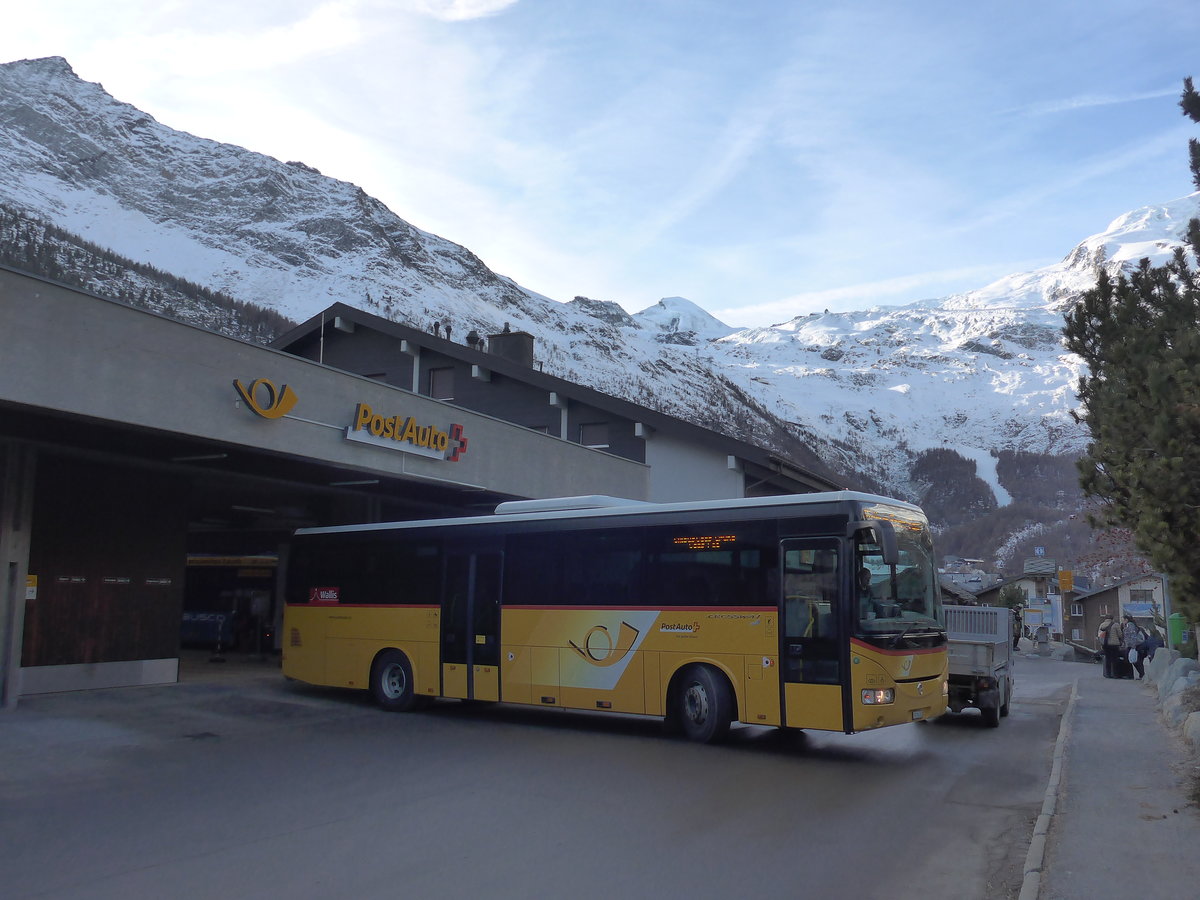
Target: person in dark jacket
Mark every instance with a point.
(1131, 637)
(1109, 637)
(1151, 642)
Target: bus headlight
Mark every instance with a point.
(875, 696)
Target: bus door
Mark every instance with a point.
(471, 626)
(811, 636)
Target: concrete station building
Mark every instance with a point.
(131, 444)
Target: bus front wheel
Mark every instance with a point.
(702, 705)
(392, 682)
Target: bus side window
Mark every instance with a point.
(797, 609)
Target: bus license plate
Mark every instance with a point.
(918, 714)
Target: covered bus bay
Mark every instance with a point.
(131, 445)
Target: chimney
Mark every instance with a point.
(514, 346)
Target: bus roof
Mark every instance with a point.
(596, 506)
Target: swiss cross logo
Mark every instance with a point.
(456, 434)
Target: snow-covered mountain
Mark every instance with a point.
(981, 373)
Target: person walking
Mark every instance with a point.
(1109, 637)
(1131, 638)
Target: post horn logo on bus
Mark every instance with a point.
(426, 440)
(275, 404)
(604, 652)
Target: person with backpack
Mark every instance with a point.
(1131, 638)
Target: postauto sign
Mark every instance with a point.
(393, 432)
(406, 434)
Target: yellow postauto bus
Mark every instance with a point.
(817, 611)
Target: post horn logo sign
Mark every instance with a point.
(597, 653)
(275, 403)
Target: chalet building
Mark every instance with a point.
(1141, 597)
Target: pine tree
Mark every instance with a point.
(1140, 337)
(1013, 596)
(1189, 103)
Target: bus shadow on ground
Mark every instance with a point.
(757, 739)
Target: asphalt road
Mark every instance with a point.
(255, 787)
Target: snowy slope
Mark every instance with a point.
(681, 321)
(867, 391)
(974, 372)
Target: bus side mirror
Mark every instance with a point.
(885, 534)
(887, 543)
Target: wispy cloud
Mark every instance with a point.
(1102, 166)
(740, 138)
(885, 292)
(1089, 101)
(460, 10)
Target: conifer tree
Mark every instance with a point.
(1139, 334)
(1189, 103)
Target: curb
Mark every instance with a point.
(1035, 858)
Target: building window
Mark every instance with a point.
(441, 383)
(1104, 609)
(1141, 595)
(1076, 634)
(1077, 609)
(594, 435)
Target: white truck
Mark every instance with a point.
(981, 660)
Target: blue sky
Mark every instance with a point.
(764, 159)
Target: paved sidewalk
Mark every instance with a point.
(1123, 824)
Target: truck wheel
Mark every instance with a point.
(1007, 699)
(991, 716)
(703, 705)
(392, 682)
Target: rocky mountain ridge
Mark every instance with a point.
(872, 393)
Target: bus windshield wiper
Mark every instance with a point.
(902, 635)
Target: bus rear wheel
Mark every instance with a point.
(703, 705)
(392, 682)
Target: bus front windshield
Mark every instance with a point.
(899, 605)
